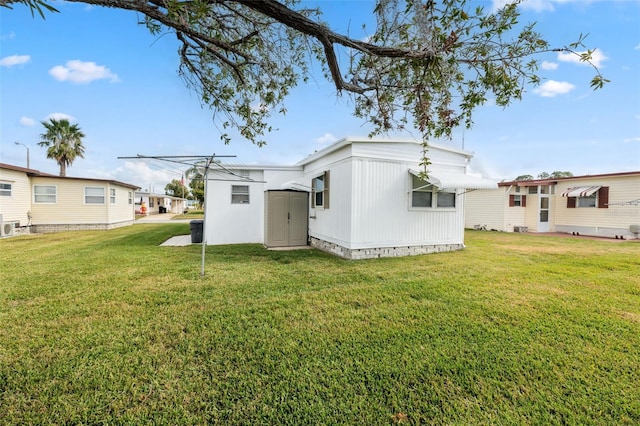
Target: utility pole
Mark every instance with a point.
(20, 143)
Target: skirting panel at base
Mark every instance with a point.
(371, 253)
(46, 229)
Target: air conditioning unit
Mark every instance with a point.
(7, 229)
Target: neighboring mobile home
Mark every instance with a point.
(606, 205)
(158, 203)
(358, 198)
(32, 201)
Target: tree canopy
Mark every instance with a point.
(63, 141)
(196, 183)
(426, 65)
(545, 175)
(176, 188)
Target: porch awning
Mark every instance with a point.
(444, 180)
(581, 191)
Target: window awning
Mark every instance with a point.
(581, 191)
(296, 186)
(445, 180)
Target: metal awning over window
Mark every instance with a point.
(445, 180)
(581, 191)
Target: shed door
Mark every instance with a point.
(287, 214)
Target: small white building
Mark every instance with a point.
(358, 198)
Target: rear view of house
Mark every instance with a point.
(605, 205)
(358, 198)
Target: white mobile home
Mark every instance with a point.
(605, 205)
(150, 203)
(358, 198)
(32, 201)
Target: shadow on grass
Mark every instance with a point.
(243, 253)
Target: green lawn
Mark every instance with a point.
(107, 327)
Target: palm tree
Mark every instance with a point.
(63, 141)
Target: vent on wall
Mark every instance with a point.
(7, 229)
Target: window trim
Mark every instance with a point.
(324, 193)
(237, 193)
(130, 197)
(522, 202)
(112, 195)
(4, 192)
(55, 194)
(104, 196)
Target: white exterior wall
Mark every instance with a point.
(516, 215)
(70, 207)
(370, 191)
(485, 207)
(607, 222)
(228, 223)
(382, 215)
(333, 224)
(15, 207)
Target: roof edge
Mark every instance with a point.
(556, 180)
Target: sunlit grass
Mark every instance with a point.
(109, 327)
(191, 214)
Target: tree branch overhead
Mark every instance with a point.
(428, 64)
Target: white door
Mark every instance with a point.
(543, 213)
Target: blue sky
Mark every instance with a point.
(120, 84)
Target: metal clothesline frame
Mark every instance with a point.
(194, 161)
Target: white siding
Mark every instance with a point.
(70, 206)
(485, 207)
(228, 223)
(614, 220)
(370, 198)
(15, 207)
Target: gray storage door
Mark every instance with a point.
(287, 215)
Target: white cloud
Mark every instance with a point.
(549, 66)
(81, 72)
(325, 139)
(60, 116)
(629, 140)
(597, 58)
(27, 122)
(9, 36)
(552, 88)
(535, 5)
(139, 173)
(9, 61)
(637, 47)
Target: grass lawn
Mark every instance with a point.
(191, 214)
(107, 327)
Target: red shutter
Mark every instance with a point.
(603, 197)
(512, 200)
(571, 202)
(524, 201)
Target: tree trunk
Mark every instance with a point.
(63, 169)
